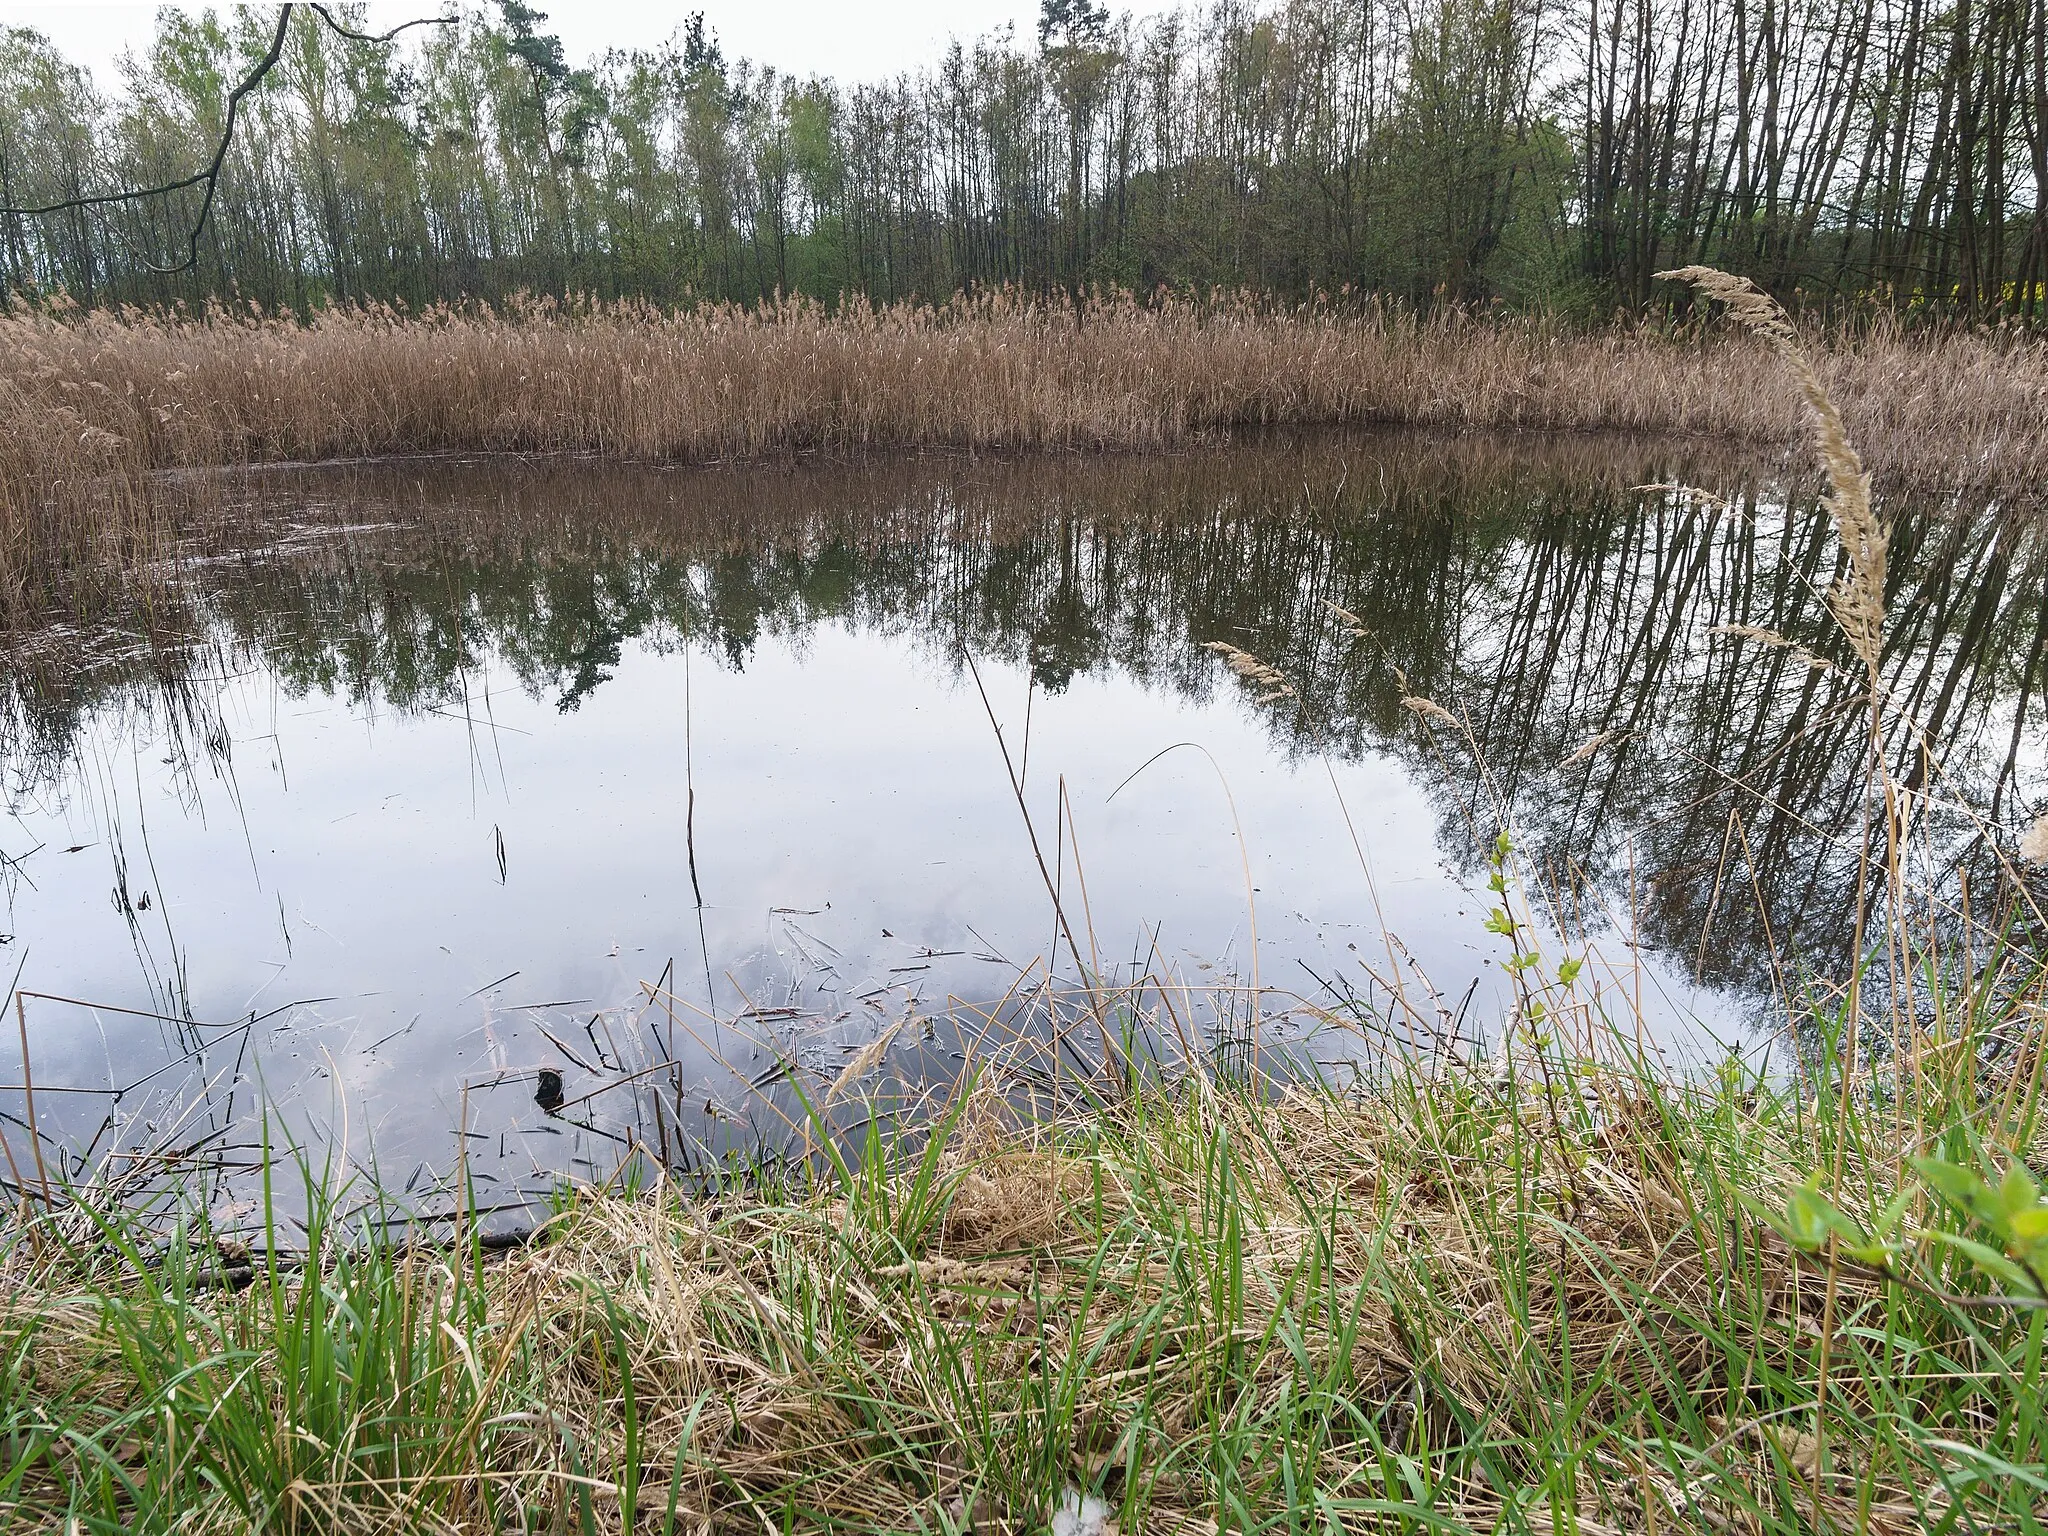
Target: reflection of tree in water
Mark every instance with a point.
(1734, 763)
(1546, 602)
(1065, 639)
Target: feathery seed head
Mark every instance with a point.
(1428, 709)
(1253, 670)
(1856, 599)
(2034, 846)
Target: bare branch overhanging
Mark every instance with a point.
(209, 177)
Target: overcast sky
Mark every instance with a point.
(847, 40)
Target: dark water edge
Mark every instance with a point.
(826, 623)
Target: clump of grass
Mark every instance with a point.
(78, 520)
(1536, 1298)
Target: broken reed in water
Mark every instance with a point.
(93, 406)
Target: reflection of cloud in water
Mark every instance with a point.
(315, 791)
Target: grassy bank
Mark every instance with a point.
(94, 407)
(1538, 1296)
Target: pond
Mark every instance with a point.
(471, 791)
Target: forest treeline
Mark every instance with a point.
(1551, 153)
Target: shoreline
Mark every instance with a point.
(1548, 1286)
(99, 408)
(149, 395)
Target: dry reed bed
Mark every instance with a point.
(720, 382)
(95, 404)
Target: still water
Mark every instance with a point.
(466, 773)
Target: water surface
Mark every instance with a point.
(415, 795)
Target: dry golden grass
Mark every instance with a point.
(97, 405)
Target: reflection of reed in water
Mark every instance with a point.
(1533, 584)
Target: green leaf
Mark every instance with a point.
(1988, 1259)
(1763, 1213)
(2017, 1192)
(1568, 971)
(1806, 1218)
(1889, 1218)
(2030, 1225)
(1960, 1186)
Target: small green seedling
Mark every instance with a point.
(2009, 1211)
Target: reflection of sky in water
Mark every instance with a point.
(852, 813)
(859, 850)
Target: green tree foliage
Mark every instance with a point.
(1550, 152)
